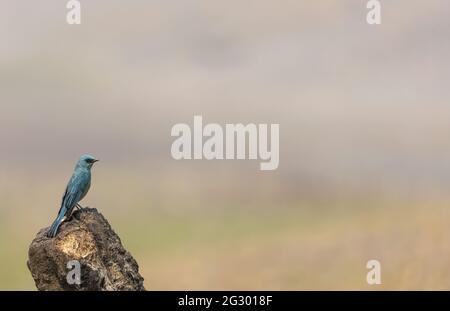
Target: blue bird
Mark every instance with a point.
(76, 190)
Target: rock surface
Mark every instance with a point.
(89, 239)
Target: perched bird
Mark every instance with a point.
(76, 190)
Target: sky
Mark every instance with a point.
(355, 103)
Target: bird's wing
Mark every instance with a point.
(74, 192)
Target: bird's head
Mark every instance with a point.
(86, 161)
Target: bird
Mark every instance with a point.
(76, 190)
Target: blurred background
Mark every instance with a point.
(364, 120)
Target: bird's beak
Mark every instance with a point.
(96, 160)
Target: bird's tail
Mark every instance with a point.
(55, 225)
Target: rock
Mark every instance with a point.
(89, 239)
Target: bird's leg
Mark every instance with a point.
(78, 206)
(72, 214)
